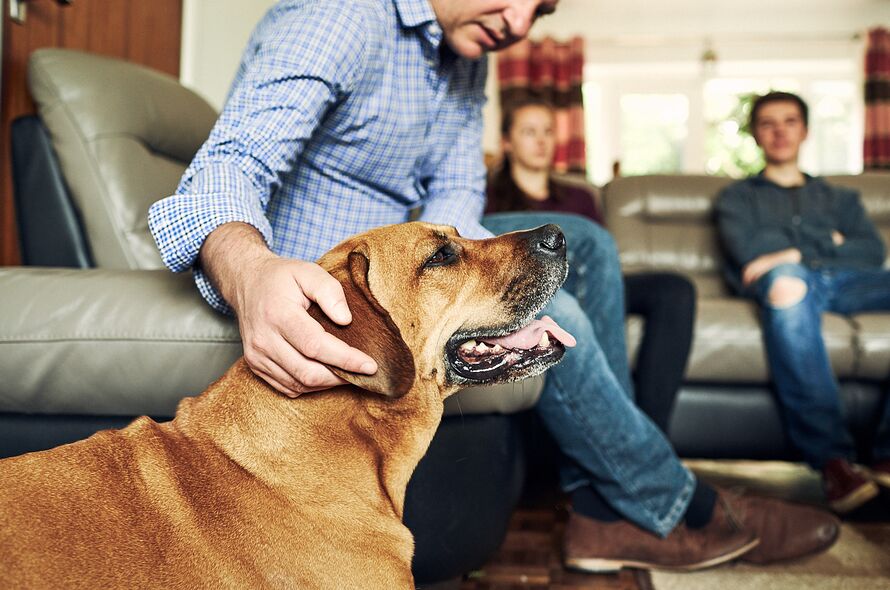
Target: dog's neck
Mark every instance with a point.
(353, 438)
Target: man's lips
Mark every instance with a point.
(489, 38)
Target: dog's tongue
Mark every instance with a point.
(530, 335)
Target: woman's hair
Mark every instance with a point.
(503, 192)
(529, 100)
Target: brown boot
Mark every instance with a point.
(846, 487)
(786, 530)
(596, 546)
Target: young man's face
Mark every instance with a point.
(779, 131)
(472, 27)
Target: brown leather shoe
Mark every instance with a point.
(596, 546)
(786, 530)
(846, 488)
(880, 473)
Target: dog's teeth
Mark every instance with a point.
(481, 347)
(468, 345)
(545, 341)
(497, 348)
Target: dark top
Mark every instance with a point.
(505, 195)
(756, 216)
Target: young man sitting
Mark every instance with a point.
(800, 246)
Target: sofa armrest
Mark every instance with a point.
(132, 342)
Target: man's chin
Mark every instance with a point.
(467, 49)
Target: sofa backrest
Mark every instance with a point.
(666, 222)
(123, 135)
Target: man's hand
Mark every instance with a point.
(837, 237)
(763, 264)
(283, 344)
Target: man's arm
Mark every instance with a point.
(859, 240)
(305, 59)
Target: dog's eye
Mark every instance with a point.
(441, 257)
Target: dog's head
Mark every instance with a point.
(428, 304)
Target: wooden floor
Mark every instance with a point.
(529, 559)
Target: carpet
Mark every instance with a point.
(860, 560)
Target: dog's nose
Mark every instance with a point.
(549, 240)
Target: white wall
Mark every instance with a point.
(214, 33)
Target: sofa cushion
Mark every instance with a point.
(123, 135)
(123, 343)
(727, 345)
(872, 345)
(665, 222)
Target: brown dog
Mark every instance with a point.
(247, 488)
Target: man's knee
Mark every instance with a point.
(785, 292)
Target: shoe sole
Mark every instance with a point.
(882, 479)
(855, 499)
(604, 566)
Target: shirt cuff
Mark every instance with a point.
(180, 223)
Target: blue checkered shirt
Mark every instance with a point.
(344, 115)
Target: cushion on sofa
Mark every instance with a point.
(872, 345)
(118, 342)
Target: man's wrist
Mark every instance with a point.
(228, 252)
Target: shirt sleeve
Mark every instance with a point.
(456, 189)
(862, 245)
(301, 60)
(743, 236)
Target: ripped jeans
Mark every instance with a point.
(801, 371)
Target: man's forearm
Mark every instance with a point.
(229, 251)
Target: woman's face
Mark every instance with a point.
(530, 142)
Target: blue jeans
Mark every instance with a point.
(801, 371)
(587, 402)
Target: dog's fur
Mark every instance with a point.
(247, 488)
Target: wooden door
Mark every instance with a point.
(142, 31)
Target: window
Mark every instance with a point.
(676, 118)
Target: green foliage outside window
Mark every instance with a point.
(730, 147)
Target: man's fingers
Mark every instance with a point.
(326, 291)
(311, 340)
(291, 373)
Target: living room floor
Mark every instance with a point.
(530, 555)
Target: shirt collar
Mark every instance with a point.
(419, 13)
(761, 178)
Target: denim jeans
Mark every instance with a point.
(587, 402)
(801, 371)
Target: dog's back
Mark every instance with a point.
(166, 505)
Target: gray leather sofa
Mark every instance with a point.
(114, 336)
(726, 407)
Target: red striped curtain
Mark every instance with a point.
(877, 100)
(553, 71)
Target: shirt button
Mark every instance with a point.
(433, 29)
(796, 220)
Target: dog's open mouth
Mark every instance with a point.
(485, 358)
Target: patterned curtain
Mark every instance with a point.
(553, 71)
(877, 100)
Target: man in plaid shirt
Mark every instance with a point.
(346, 115)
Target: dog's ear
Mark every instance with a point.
(372, 331)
